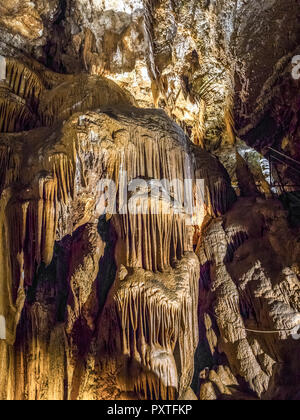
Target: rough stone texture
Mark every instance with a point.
(110, 307)
(249, 288)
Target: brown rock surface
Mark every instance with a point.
(108, 305)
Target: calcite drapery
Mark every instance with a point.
(97, 307)
(161, 330)
(146, 291)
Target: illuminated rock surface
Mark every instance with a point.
(135, 306)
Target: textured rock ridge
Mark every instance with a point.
(250, 274)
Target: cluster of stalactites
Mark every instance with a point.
(79, 94)
(168, 241)
(60, 178)
(33, 219)
(219, 194)
(154, 158)
(24, 82)
(159, 329)
(20, 91)
(15, 114)
(32, 96)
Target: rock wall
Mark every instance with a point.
(249, 290)
(72, 292)
(104, 303)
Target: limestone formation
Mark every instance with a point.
(144, 253)
(51, 189)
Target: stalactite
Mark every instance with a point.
(33, 228)
(149, 20)
(167, 243)
(12, 296)
(63, 172)
(20, 93)
(219, 195)
(9, 166)
(80, 93)
(15, 114)
(24, 82)
(158, 317)
(199, 130)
